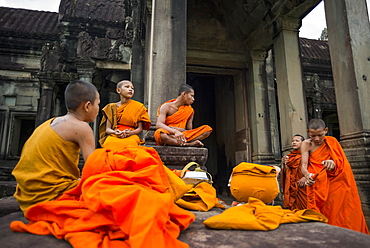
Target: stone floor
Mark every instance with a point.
(306, 235)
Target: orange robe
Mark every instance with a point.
(202, 197)
(127, 116)
(48, 166)
(180, 119)
(294, 196)
(334, 194)
(123, 200)
(255, 215)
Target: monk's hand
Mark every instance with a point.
(285, 159)
(328, 164)
(308, 179)
(118, 133)
(126, 133)
(180, 137)
(301, 182)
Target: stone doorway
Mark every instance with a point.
(214, 106)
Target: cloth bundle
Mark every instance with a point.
(201, 195)
(255, 215)
(254, 180)
(124, 199)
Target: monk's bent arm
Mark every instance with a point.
(304, 158)
(108, 128)
(189, 124)
(138, 130)
(161, 120)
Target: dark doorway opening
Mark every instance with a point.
(214, 106)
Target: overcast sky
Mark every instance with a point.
(312, 24)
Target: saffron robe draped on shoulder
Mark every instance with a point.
(124, 199)
(48, 166)
(126, 116)
(255, 215)
(254, 180)
(294, 197)
(334, 193)
(180, 119)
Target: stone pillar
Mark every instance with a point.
(349, 44)
(259, 112)
(291, 97)
(85, 69)
(138, 62)
(166, 65)
(45, 103)
(274, 120)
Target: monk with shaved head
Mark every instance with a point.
(48, 165)
(123, 121)
(175, 121)
(331, 187)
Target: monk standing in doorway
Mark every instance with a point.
(332, 188)
(175, 121)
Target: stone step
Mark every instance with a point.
(7, 188)
(6, 173)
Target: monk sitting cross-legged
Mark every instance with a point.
(332, 188)
(175, 121)
(123, 121)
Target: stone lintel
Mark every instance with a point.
(215, 59)
(112, 65)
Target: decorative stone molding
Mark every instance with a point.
(288, 24)
(358, 139)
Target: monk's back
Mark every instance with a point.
(47, 167)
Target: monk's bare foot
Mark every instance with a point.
(196, 143)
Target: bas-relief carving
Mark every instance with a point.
(106, 48)
(206, 30)
(52, 58)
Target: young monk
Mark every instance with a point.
(123, 121)
(175, 121)
(333, 192)
(48, 165)
(293, 182)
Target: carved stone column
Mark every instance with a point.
(45, 104)
(349, 44)
(291, 99)
(85, 69)
(166, 58)
(272, 103)
(259, 112)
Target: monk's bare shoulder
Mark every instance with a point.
(169, 108)
(70, 128)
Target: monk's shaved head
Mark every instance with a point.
(316, 124)
(119, 84)
(185, 87)
(78, 92)
(300, 136)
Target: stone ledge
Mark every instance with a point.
(308, 235)
(177, 157)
